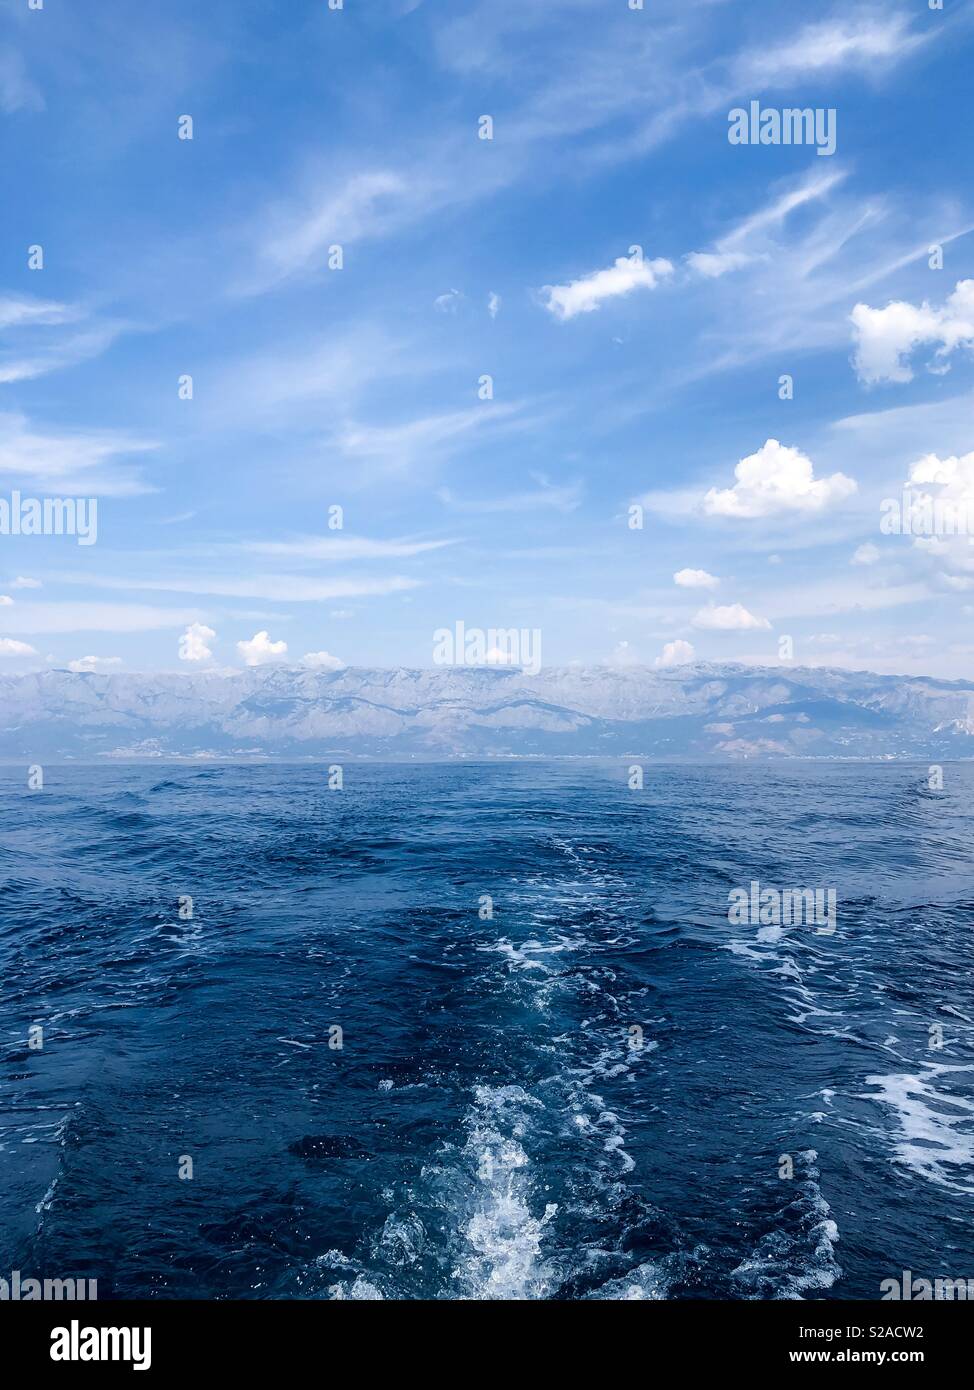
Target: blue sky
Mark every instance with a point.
(619, 379)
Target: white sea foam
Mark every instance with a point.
(503, 1232)
(936, 1129)
(648, 1281)
(523, 957)
(798, 1257)
(361, 1290)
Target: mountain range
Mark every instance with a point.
(703, 710)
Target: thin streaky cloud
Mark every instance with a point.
(293, 588)
(344, 548)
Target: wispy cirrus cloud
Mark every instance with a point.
(36, 343)
(309, 380)
(293, 588)
(293, 236)
(76, 461)
(780, 284)
(55, 356)
(546, 496)
(396, 447)
(90, 616)
(340, 549)
(873, 43)
(17, 311)
(853, 42)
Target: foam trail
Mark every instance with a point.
(503, 1238)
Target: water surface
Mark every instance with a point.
(489, 1127)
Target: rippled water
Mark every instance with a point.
(488, 1128)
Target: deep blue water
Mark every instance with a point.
(487, 1128)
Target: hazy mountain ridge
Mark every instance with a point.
(700, 710)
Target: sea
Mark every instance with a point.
(485, 1030)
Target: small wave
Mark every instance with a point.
(798, 1256)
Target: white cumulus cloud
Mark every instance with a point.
(885, 338)
(777, 479)
(10, 647)
(695, 579)
(732, 617)
(676, 653)
(953, 476)
(22, 582)
(260, 649)
(866, 554)
(94, 663)
(322, 661)
(940, 496)
(587, 294)
(193, 643)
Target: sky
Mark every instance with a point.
(487, 283)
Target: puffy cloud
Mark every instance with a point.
(941, 488)
(94, 663)
(5, 601)
(939, 509)
(587, 294)
(954, 475)
(322, 661)
(695, 579)
(493, 304)
(192, 644)
(733, 617)
(10, 647)
(777, 479)
(886, 337)
(931, 545)
(22, 582)
(676, 653)
(867, 554)
(260, 649)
